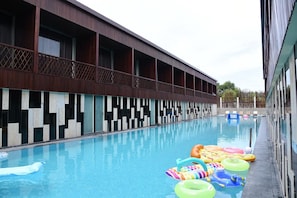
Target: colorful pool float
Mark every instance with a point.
(194, 188)
(235, 164)
(213, 153)
(194, 171)
(212, 148)
(21, 170)
(225, 179)
(233, 150)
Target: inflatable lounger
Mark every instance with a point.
(21, 170)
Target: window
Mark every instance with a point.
(105, 58)
(287, 92)
(6, 29)
(55, 43)
(35, 99)
(48, 46)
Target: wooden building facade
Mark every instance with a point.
(67, 71)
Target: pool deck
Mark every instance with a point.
(263, 178)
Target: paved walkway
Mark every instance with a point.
(263, 179)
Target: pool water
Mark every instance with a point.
(122, 164)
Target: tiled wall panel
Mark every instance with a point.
(28, 117)
(31, 117)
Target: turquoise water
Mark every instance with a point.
(119, 165)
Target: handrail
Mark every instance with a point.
(180, 163)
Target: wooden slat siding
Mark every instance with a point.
(94, 22)
(36, 34)
(94, 27)
(26, 80)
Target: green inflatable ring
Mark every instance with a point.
(235, 164)
(194, 188)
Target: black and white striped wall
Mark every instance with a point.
(28, 117)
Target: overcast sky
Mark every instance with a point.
(221, 38)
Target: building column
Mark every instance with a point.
(255, 102)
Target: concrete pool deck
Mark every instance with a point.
(263, 178)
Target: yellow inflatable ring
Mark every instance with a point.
(249, 157)
(194, 188)
(235, 164)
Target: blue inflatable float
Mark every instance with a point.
(225, 179)
(233, 116)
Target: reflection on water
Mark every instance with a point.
(126, 164)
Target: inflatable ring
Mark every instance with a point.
(194, 188)
(249, 157)
(235, 164)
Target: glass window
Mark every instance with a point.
(288, 91)
(5, 29)
(35, 99)
(295, 55)
(48, 46)
(105, 58)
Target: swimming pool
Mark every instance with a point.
(126, 164)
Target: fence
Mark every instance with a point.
(248, 102)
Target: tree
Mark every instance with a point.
(227, 86)
(229, 92)
(229, 95)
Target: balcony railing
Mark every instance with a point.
(166, 87)
(16, 58)
(179, 90)
(56, 66)
(145, 83)
(108, 76)
(190, 92)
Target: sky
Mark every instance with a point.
(220, 38)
